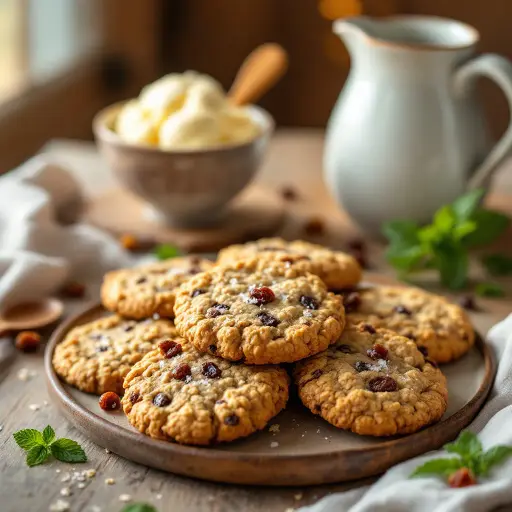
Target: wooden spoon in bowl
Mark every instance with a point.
(259, 72)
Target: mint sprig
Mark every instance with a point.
(470, 454)
(139, 507)
(489, 290)
(40, 445)
(166, 251)
(444, 244)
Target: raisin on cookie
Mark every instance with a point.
(141, 292)
(337, 269)
(372, 382)
(176, 393)
(441, 330)
(95, 357)
(261, 316)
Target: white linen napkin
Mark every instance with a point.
(40, 245)
(395, 492)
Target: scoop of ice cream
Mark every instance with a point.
(188, 129)
(188, 110)
(165, 96)
(205, 95)
(134, 124)
(236, 125)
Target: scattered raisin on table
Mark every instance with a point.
(289, 193)
(27, 341)
(468, 302)
(463, 477)
(110, 401)
(356, 244)
(135, 243)
(314, 226)
(73, 290)
(129, 242)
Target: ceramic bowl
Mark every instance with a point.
(184, 188)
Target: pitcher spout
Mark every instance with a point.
(354, 30)
(352, 25)
(408, 32)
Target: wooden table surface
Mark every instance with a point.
(295, 160)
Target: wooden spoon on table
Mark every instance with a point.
(259, 72)
(31, 315)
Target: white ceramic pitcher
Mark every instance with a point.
(407, 134)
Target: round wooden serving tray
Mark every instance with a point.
(310, 451)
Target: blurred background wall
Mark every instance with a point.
(62, 60)
(215, 36)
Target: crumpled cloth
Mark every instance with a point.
(41, 244)
(395, 492)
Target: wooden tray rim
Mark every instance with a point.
(425, 440)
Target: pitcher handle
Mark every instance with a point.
(499, 70)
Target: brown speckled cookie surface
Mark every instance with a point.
(260, 316)
(337, 269)
(372, 382)
(195, 398)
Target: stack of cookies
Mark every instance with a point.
(198, 348)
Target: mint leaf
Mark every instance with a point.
(28, 438)
(405, 258)
(467, 445)
(444, 219)
(139, 507)
(67, 450)
(452, 262)
(430, 234)
(442, 467)
(166, 251)
(490, 225)
(460, 231)
(489, 290)
(465, 206)
(48, 435)
(493, 457)
(498, 264)
(37, 455)
(402, 231)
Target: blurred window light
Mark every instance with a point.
(42, 38)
